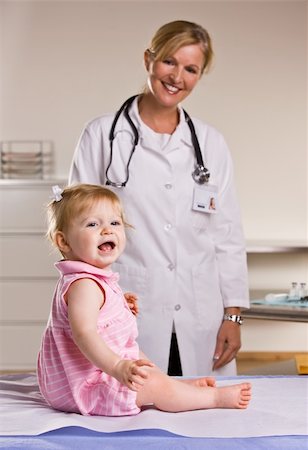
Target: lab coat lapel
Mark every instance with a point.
(151, 141)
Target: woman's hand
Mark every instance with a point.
(132, 301)
(228, 343)
(130, 372)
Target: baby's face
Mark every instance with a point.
(97, 235)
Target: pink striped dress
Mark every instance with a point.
(67, 380)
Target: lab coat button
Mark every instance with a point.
(168, 185)
(177, 307)
(171, 266)
(168, 226)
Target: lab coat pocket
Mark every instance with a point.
(132, 279)
(200, 220)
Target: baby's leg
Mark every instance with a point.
(201, 382)
(172, 395)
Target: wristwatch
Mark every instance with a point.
(234, 318)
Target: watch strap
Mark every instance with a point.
(234, 318)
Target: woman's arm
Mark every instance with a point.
(88, 163)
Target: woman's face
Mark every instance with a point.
(173, 79)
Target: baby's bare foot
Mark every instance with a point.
(234, 396)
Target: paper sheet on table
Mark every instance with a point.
(278, 407)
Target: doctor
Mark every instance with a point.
(185, 259)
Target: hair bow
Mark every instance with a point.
(57, 191)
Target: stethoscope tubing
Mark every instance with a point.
(200, 174)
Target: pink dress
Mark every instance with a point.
(67, 380)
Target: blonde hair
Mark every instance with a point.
(75, 200)
(174, 35)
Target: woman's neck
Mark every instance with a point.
(159, 118)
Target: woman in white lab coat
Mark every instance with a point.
(185, 260)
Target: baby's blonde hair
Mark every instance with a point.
(75, 200)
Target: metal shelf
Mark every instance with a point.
(264, 246)
(277, 312)
(29, 183)
(285, 312)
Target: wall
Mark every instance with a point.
(64, 62)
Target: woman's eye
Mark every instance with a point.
(191, 70)
(170, 62)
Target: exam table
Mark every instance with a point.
(277, 418)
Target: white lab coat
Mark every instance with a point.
(185, 266)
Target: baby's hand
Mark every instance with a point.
(132, 300)
(130, 372)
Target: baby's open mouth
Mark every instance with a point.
(107, 246)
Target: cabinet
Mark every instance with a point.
(28, 278)
(27, 273)
(272, 267)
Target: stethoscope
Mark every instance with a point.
(200, 174)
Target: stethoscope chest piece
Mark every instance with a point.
(200, 175)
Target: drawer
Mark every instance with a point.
(23, 206)
(27, 256)
(26, 300)
(19, 346)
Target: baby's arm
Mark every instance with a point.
(84, 299)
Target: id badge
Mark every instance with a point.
(205, 198)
